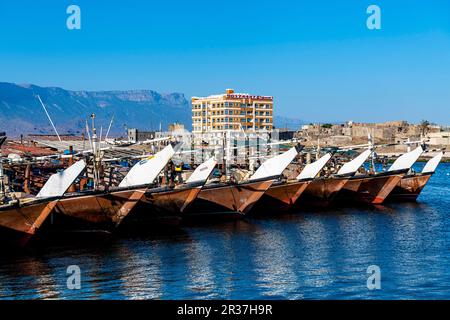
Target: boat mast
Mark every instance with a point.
(228, 154)
(371, 148)
(96, 153)
(49, 118)
(2, 186)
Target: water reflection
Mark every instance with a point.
(274, 262)
(30, 277)
(315, 248)
(200, 275)
(140, 271)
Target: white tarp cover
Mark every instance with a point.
(275, 165)
(58, 183)
(405, 161)
(311, 170)
(432, 164)
(203, 171)
(145, 171)
(353, 166)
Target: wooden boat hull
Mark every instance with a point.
(19, 224)
(409, 187)
(162, 206)
(280, 197)
(98, 211)
(321, 192)
(228, 199)
(173, 201)
(369, 189)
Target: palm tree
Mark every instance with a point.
(424, 127)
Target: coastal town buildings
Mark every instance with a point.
(392, 132)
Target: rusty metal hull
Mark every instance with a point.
(369, 189)
(228, 199)
(94, 210)
(280, 197)
(321, 192)
(409, 187)
(19, 224)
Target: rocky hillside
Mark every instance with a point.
(21, 112)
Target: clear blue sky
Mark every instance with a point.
(317, 58)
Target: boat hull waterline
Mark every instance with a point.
(369, 189)
(280, 197)
(409, 187)
(96, 211)
(228, 199)
(321, 192)
(162, 206)
(20, 223)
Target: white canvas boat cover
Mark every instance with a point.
(353, 166)
(58, 183)
(275, 165)
(145, 171)
(203, 171)
(311, 170)
(432, 164)
(406, 160)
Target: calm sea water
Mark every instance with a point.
(307, 255)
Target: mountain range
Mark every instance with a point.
(22, 113)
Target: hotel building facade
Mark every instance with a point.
(232, 111)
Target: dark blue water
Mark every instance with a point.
(298, 256)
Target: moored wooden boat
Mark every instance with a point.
(105, 210)
(19, 223)
(412, 184)
(229, 199)
(282, 195)
(323, 190)
(95, 210)
(167, 203)
(234, 199)
(375, 188)
(20, 219)
(369, 188)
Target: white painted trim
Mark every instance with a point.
(202, 172)
(406, 160)
(58, 183)
(353, 166)
(145, 171)
(311, 170)
(275, 165)
(432, 164)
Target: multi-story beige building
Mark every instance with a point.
(232, 111)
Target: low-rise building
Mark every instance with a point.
(439, 138)
(135, 135)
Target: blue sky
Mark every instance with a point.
(317, 58)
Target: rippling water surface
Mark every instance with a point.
(307, 255)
